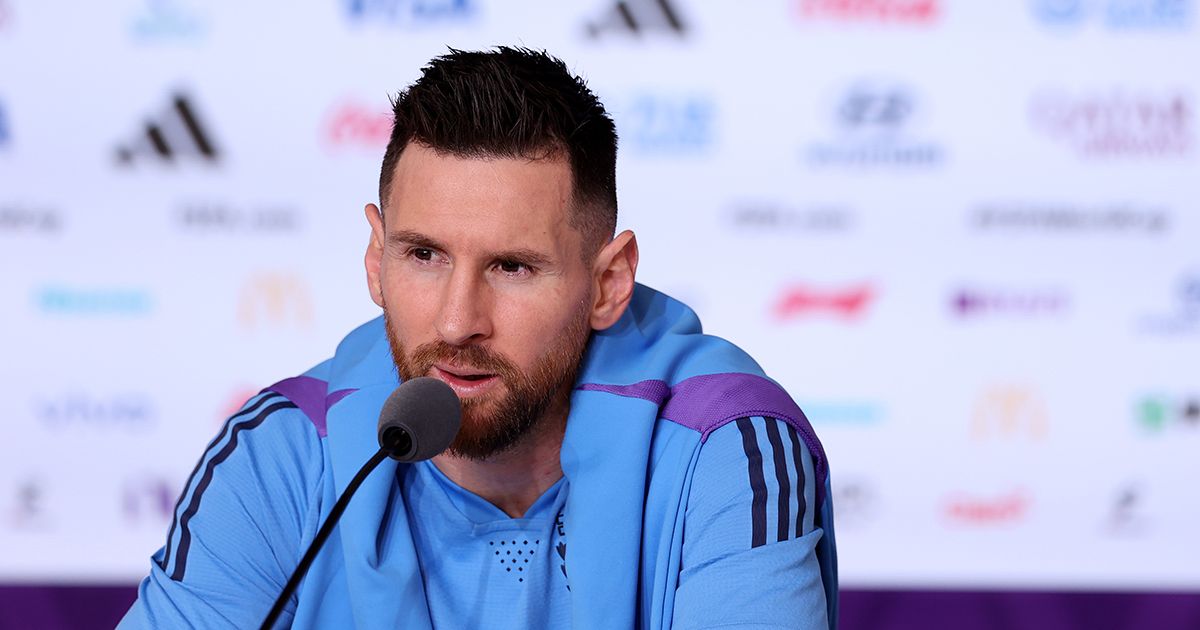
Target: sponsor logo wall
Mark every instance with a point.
(977, 267)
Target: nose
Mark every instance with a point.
(464, 316)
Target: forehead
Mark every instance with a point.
(481, 200)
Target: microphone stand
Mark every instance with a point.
(394, 441)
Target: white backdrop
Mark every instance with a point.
(963, 234)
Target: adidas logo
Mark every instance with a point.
(174, 133)
(637, 17)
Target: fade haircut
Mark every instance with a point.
(514, 103)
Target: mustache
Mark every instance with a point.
(474, 356)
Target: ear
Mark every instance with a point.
(374, 257)
(613, 280)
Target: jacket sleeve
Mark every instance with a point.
(751, 532)
(240, 523)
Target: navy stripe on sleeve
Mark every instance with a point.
(166, 560)
(185, 536)
(758, 484)
(783, 523)
(798, 462)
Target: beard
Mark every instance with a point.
(499, 420)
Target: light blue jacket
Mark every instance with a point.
(650, 391)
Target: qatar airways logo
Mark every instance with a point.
(357, 126)
(1117, 123)
(918, 12)
(987, 510)
(802, 300)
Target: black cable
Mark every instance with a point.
(326, 529)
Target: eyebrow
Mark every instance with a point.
(521, 255)
(408, 237)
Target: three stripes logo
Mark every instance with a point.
(777, 477)
(637, 18)
(173, 134)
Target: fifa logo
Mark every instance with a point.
(1009, 411)
(273, 300)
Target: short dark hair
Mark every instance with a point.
(513, 102)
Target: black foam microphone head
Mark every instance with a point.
(428, 411)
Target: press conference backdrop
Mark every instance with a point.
(963, 234)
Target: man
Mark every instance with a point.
(615, 467)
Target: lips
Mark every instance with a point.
(464, 381)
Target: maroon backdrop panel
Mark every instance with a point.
(101, 607)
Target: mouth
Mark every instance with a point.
(464, 381)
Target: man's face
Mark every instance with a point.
(483, 286)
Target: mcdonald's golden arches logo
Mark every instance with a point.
(270, 300)
(1009, 411)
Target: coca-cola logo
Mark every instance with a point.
(356, 125)
(888, 11)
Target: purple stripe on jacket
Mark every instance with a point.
(311, 395)
(708, 402)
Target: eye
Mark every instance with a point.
(512, 267)
(423, 254)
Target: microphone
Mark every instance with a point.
(418, 421)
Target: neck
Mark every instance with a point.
(514, 479)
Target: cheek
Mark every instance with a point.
(409, 306)
(534, 326)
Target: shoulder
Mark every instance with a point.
(262, 467)
(248, 505)
(269, 425)
(755, 481)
